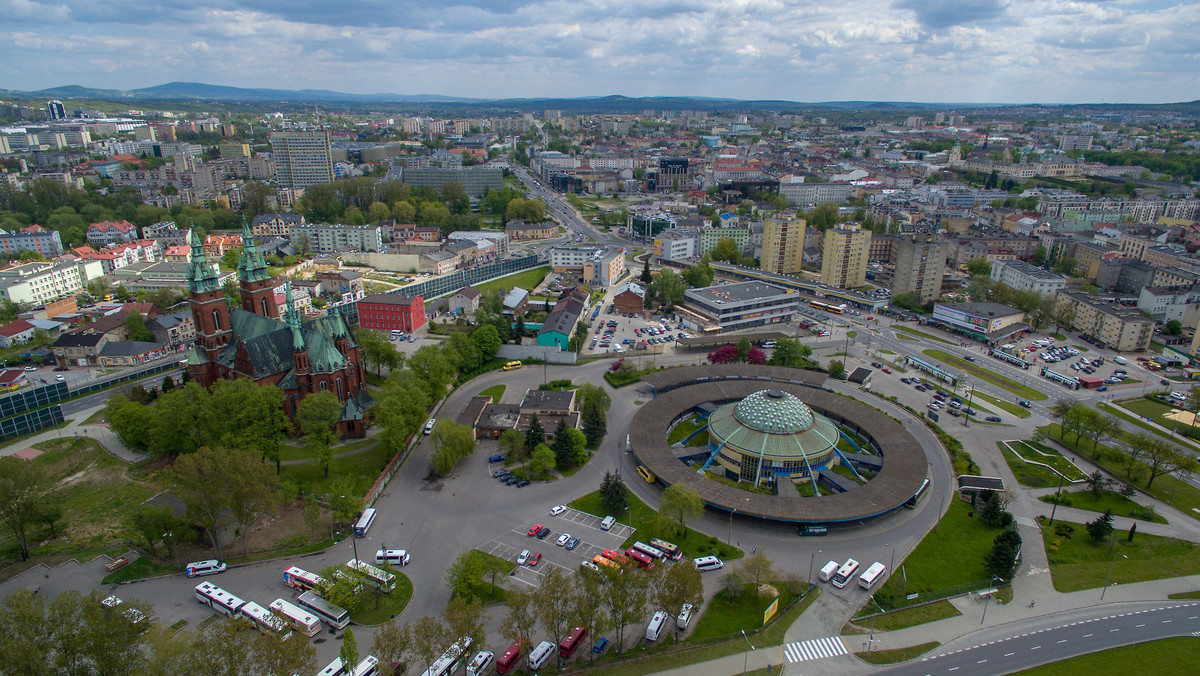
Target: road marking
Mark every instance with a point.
(814, 649)
(1063, 641)
(1009, 654)
(1088, 635)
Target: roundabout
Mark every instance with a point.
(780, 448)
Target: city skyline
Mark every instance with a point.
(997, 51)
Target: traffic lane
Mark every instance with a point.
(101, 398)
(1037, 646)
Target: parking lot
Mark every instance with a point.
(616, 334)
(592, 541)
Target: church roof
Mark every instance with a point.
(268, 344)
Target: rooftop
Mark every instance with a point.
(983, 309)
(735, 293)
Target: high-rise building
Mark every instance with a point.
(783, 244)
(302, 158)
(920, 262)
(55, 110)
(844, 263)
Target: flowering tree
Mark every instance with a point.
(726, 354)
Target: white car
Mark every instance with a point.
(557, 509)
(562, 539)
(30, 368)
(522, 557)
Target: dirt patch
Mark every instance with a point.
(27, 453)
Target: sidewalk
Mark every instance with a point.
(75, 428)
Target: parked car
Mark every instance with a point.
(541, 534)
(62, 368)
(534, 530)
(562, 539)
(557, 509)
(886, 370)
(1102, 388)
(572, 543)
(496, 458)
(992, 418)
(601, 644)
(1024, 403)
(534, 558)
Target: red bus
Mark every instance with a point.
(571, 642)
(616, 557)
(510, 659)
(642, 559)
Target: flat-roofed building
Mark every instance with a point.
(1112, 326)
(844, 260)
(730, 307)
(920, 264)
(1022, 276)
(302, 158)
(783, 244)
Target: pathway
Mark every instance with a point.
(100, 432)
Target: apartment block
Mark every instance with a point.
(323, 238)
(783, 244)
(677, 245)
(1022, 276)
(709, 237)
(31, 238)
(1112, 326)
(40, 283)
(595, 265)
(920, 264)
(844, 261)
(302, 158)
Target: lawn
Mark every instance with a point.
(1033, 476)
(528, 280)
(1044, 454)
(379, 609)
(682, 429)
(987, 375)
(902, 336)
(363, 468)
(495, 392)
(1121, 413)
(484, 590)
(1019, 411)
(898, 654)
(301, 452)
(958, 537)
(1164, 656)
(724, 617)
(95, 418)
(1184, 595)
(1148, 408)
(139, 569)
(644, 520)
(902, 619)
(1076, 562)
(1165, 487)
(928, 336)
(1119, 504)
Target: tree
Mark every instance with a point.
(401, 408)
(726, 250)
(699, 276)
(512, 444)
(1162, 458)
(733, 585)
(667, 288)
(594, 425)
(626, 600)
(252, 488)
(757, 568)
(673, 586)
(343, 586)
(519, 622)
(487, 339)
(349, 651)
(392, 642)
(541, 461)
(24, 633)
(23, 489)
(535, 434)
(378, 350)
(168, 384)
(1173, 328)
(979, 267)
(200, 481)
(587, 603)
(1039, 255)
(1001, 562)
(462, 575)
(1101, 527)
(991, 510)
(318, 414)
(1096, 482)
(790, 352)
(837, 370)
(136, 329)
(451, 443)
(553, 609)
(646, 277)
(743, 349)
(614, 493)
(570, 447)
(156, 524)
(726, 354)
(679, 504)
(464, 617)
(434, 369)
(1066, 266)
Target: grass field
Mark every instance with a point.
(1046, 455)
(1164, 656)
(380, 609)
(922, 334)
(495, 392)
(138, 570)
(1184, 595)
(363, 468)
(1033, 476)
(645, 520)
(526, 280)
(902, 619)
(987, 375)
(724, 617)
(1141, 422)
(1076, 562)
(1148, 408)
(483, 589)
(1119, 504)
(1019, 411)
(897, 655)
(681, 430)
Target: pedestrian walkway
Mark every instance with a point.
(814, 649)
(75, 428)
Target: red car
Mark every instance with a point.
(869, 318)
(886, 370)
(534, 558)
(534, 530)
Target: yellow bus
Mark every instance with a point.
(512, 365)
(646, 474)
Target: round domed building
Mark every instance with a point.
(771, 435)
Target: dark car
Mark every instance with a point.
(62, 368)
(953, 412)
(512, 479)
(1025, 404)
(876, 364)
(992, 418)
(969, 358)
(1164, 381)
(496, 458)
(541, 534)
(572, 543)
(521, 483)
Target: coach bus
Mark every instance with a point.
(510, 658)
(671, 551)
(568, 645)
(301, 620)
(381, 579)
(643, 560)
(652, 552)
(330, 614)
(844, 573)
(451, 659)
(367, 667)
(302, 579)
(218, 599)
(364, 522)
(266, 621)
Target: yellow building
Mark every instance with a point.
(1120, 328)
(844, 263)
(783, 244)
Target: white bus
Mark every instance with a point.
(364, 522)
(367, 667)
(301, 620)
(451, 659)
(668, 549)
(656, 625)
(330, 614)
(844, 573)
(302, 579)
(266, 621)
(648, 550)
(218, 599)
(872, 575)
(381, 579)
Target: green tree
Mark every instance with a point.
(23, 490)
(680, 504)
(790, 352)
(613, 493)
(464, 617)
(1173, 328)
(487, 339)
(342, 586)
(673, 586)
(668, 288)
(587, 603)
(377, 349)
(512, 444)
(25, 633)
(401, 408)
(535, 434)
(541, 461)
(837, 370)
(201, 483)
(464, 573)
(252, 491)
(726, 250)
(451, 443)
(594, 425)
(646, 277)
(154, 525)
(1001, 561)
(553, 611)
(699, 276)
(521, 619)
(393, 641)
(434, 369)
(349, 650)
(758, 568)
(136, 329)
(992, 512)
(626, 600)
(1066, 266)
(1039, 255)
(979, 267)
(318, 414)
(743, 349)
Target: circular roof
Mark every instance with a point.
(774, 412)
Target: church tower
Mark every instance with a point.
(299, 346)
(257, 287)
(210, 312)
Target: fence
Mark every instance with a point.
(547, 354)
(450, 283)
(902, 600)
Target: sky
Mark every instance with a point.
(1003, 51)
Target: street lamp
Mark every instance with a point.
(729, 536)
(746, 658)
(1110, 570)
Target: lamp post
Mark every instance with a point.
(1056, 494)
(1110, 570)
(746, 658)
(729, 536)
(880, 609)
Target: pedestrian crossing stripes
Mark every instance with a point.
(814, 649)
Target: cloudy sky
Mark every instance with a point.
(803, 50)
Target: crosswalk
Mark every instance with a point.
(814, 649)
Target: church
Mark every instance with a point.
(253, 341)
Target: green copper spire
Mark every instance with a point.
(201, 275)
(252, 266)
(293, 319)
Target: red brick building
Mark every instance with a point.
(391, 312)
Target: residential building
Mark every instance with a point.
(595, 265)
(325, 238)
(710, 237)
(31, 238)
(175, 329)
(844, 260)
(110, 232)
(920, 264)
(677, 245)
(629, 299)
(78, 349)
(489, 246)
(346, 284)
(515, 301)
(391, 312)
(465, 301)
(730, 307)
(302, 158)
(812, 194)
(1021, 276)
(275, 225)
(783, 244)
(475, 180)
(16, 332)
(560, 323)
(526, 230)
(1116, 327)
(41, 282)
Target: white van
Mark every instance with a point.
(395, 557)
(656, 625)
(429, 425)
(482, 662)
(684, 616)
(707, 563)
(1121, 360)
(608, 522)
(210, 567)
(540, 655)
(828, 570)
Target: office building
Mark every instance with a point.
(302, 158)
(391, 312)
(783, 244)
(1021, 276)
(844, 262)
(920, 263)
(730, 307)
(55, 110)
(475, 180)
(595, 265)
